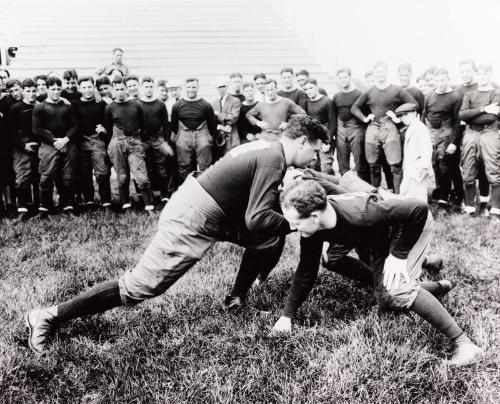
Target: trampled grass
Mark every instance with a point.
(183, 348)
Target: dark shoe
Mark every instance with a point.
(41, 324)
(433, 263)
(42, 214)
(22, 217)
(233, 303)
(483, 209)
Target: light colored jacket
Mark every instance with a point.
(228, 115)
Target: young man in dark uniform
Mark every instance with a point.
(92, 145)
(302, 76)
(233, 201)
(318, 106)
(25, 149)
(195, 127)
(288, 89)
(397, 232)
(70, 91)
(246, 130)
(157, 136)
(382, 137)
(481, 144)
(440, 115)
(55, 128)
(348, 130)
(126, 123)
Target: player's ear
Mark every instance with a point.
(315, 216)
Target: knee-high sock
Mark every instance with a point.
(98, 299)
(429, 308)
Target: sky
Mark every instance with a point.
(425, 33)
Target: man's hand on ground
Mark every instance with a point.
(284, 324)
(393, 269)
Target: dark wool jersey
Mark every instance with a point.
(21, 124)
(297, 96)
(245, 182)
(470, 112)
(274, 112)
(321, 110)
(6, 171)
(156, 118)
(89, 114)
(464, 89)
(443, 107)
(128, 116)
(418, 96)
(192, 114)
(41, 97)
(241, 97)
(71, 96)
(54, 120)
(342, 103)
(386, 227)
(380, 101)
(243, 125)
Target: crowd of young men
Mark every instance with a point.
(145, 130)
(65, 135)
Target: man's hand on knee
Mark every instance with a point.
(393, 269)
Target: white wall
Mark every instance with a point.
(357, 33)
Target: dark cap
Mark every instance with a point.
(405, 108)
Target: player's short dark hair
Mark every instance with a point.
(102, 81)
(192, 78)
(70, 74)
(130, 78)
(305, 196)
(439, 71)
(303, 125)
(147, 79)
(269, 81)
(405, 67)
(12, 83)
(117, 80)
(118, 49)
(53, 80)
(28, 83)
(6, 71)
(312, 81)
(303, 72)
(86, 78)
(247, 84)
(348, 71)
(468, 62)
(40, 77)
(286, 70)
(235, 74)
(162, 83)
(260, 76)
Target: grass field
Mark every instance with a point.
(183, 348)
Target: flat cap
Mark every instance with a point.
(220, 82)
(405, 108)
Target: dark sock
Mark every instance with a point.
(147, 196)
(470, 194)
(429, 308)
(353, 268)
(98, 299)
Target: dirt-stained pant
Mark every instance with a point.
(444, 164)
(93, 156)
(351, 139)
(481, 148)
(27, 178)
(157, 152)
(189, 226)
(128, 157)
(194, 150)
(383, 138)
(57, 165)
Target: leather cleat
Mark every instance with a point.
(465, 354)
(41, 324)
(233, 303)
(433, 263)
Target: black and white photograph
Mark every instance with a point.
(233, 201)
